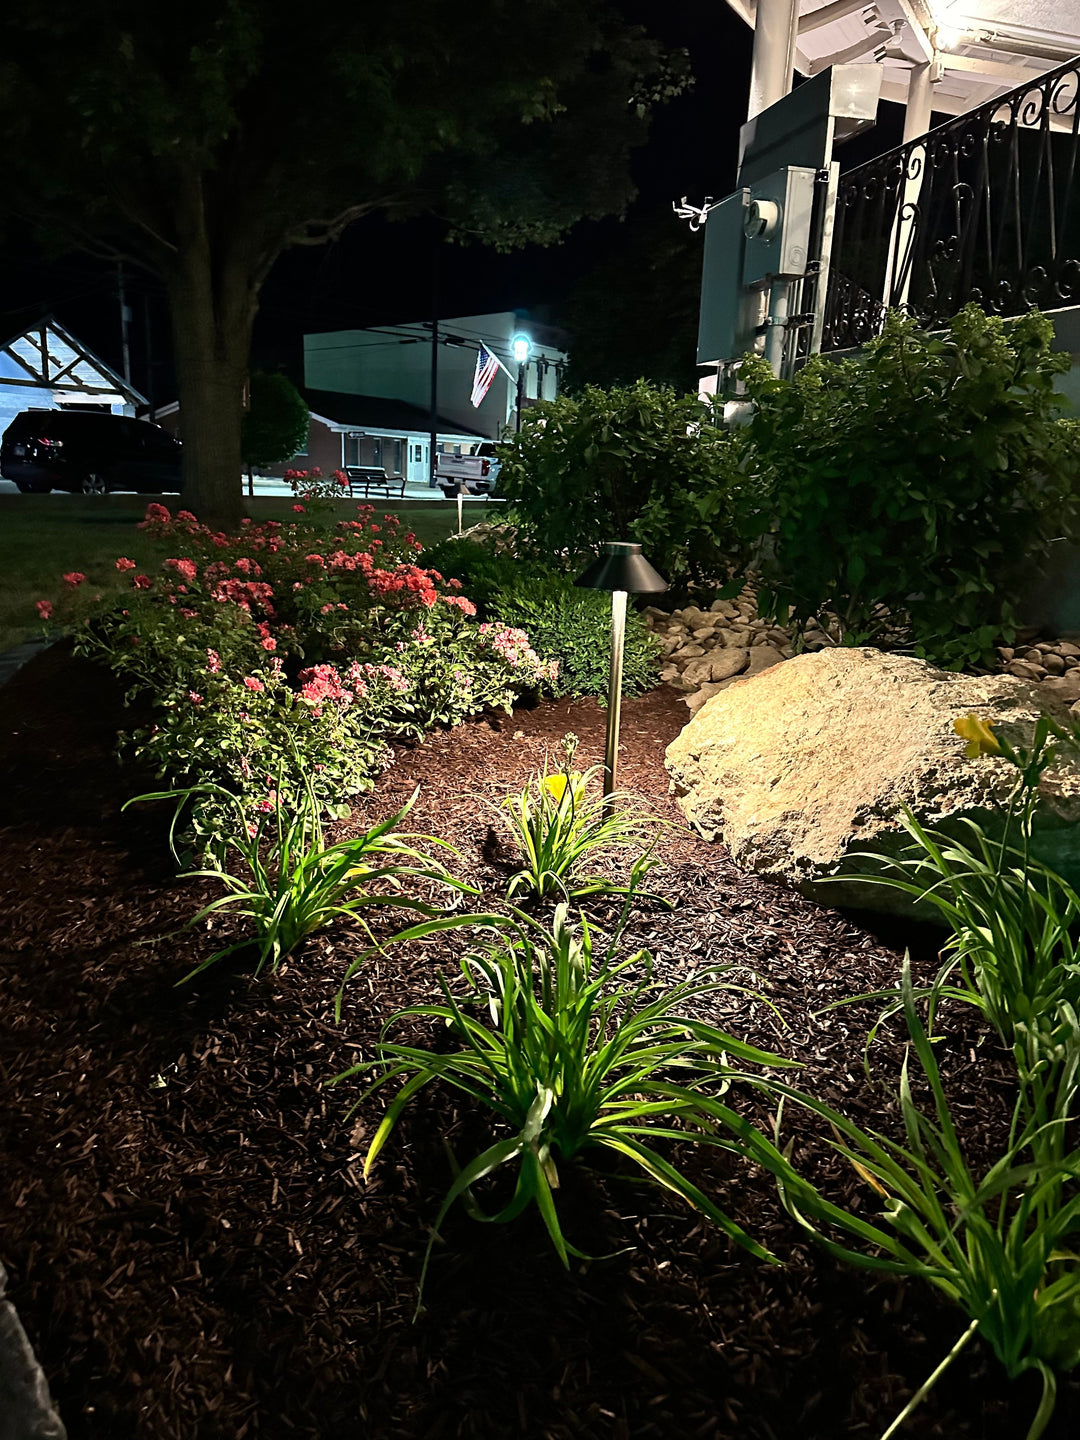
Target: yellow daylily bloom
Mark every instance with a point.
(979, 734)
(556, 785)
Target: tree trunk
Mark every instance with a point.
(213, 308)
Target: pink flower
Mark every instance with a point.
(125, 564)
(253, 684)
(186, 569)
(298, 510)
(44, 609)
(191, 520)
(142, 582)
(194, 698)
(269, 643)
(316, 560)
(159, 513)
(213, 661)
(74, 578)
(459, 601)
(374, 529)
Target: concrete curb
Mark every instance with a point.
(12, 661)
(26, 1410)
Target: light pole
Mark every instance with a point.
(521, 345)
(622, 569)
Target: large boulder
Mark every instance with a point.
(802, 765)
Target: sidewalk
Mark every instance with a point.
(14, 659)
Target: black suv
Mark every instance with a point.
(46, 450)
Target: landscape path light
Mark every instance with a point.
(622, 569)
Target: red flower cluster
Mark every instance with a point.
(186, 569)
(245, 593)
(322, 683)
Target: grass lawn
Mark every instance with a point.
(42, 536)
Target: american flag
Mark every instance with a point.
(486, 367)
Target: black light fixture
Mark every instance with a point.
(622, 569)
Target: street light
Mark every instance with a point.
(521, 345)
(622, 569)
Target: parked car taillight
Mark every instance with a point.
(50, 444)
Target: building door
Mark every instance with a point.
(419, 466)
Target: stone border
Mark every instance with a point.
(705, 651)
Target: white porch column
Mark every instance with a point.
(776, 25)
(917, 108)
(916, 124)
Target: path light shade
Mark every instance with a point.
(621, 568)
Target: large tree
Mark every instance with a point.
(202, 139)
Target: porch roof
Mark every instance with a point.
(372, 413)
(980, 48)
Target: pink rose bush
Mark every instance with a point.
(290, 644)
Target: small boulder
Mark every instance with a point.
(815, 760)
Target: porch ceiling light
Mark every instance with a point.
(622, 569)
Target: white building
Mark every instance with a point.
(46, 368)
(394, 362)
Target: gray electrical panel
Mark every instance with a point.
(777, 226)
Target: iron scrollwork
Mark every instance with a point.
(984, 208)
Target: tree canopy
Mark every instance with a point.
(202, 139)
(635, 314)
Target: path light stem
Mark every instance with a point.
(618, 639)
(622, 570)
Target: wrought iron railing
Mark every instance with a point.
(984, 208)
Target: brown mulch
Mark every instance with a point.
(192, 1247)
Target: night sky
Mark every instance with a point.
(380, 272)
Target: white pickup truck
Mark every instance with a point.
(477, 472)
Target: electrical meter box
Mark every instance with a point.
(777, 225)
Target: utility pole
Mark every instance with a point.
(125, 321)
(434, 422)
(149, 357)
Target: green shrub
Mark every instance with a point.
(482, 570)
(636, 462)
(574, 627)
(928, 475)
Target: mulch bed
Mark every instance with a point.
(191, 1244)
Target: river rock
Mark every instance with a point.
(717, 665)
(814, 760)
(762, 657)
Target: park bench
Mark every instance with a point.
(365, 479)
